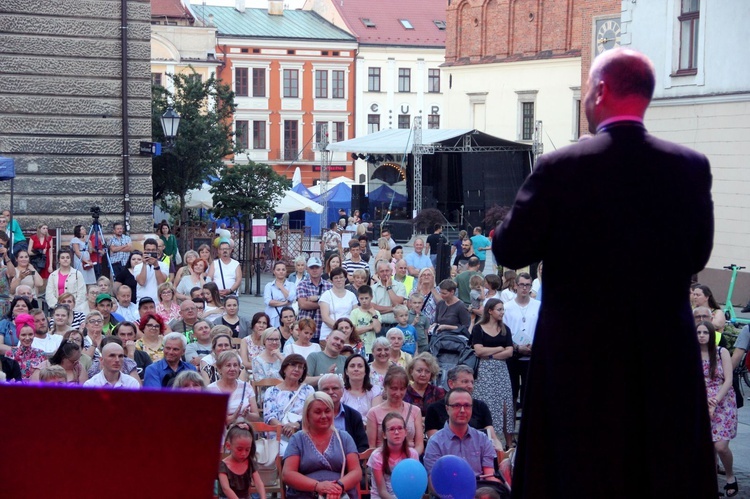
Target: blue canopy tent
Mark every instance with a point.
(303, 191)
(8, 172)
(384, 194)
(338, 196)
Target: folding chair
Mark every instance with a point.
(276, 486)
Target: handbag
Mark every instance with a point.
(737, 388)
(287, 416)
(38, 261)
(343, 495)
(266, 451)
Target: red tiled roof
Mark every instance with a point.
(169, 8)
(385, 14)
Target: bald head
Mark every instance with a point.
(621, 82)
(112, 358)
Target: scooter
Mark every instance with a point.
(729, 312)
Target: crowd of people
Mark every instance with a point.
(347, 341)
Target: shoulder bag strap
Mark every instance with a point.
(289, 404)
(343, 453)
(221, 271)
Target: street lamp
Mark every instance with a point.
(170, 122)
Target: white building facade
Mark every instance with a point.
(702, 100)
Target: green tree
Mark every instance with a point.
(247, 191)
(204, 138)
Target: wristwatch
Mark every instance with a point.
(388, 288)
(341, 484)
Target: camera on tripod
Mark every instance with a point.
(95, 212)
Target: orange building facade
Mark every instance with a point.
(292, 73)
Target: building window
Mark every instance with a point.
(337, 84)
(259, 134)
(373, 79)
(241, 134)
(577, 119)
(291, 83)
(404, 121)
(259, 82)
(373, 123)
(527, 120)
(240, 82)
(156, 79)
(195, 78)
(689, 16)
(433, 80)
(338, 131)
(406, 24)
(440, 25)
(404, 80)
(321, 84)
(321, 132)
(291, 139)
(433, 121)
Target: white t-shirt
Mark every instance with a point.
(522, 320)
(125, 381)
(338, 308)
(227, 270)
(151, 289)
(290, 348)
(507, 296)
(49, 344)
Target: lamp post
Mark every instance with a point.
(170, 122)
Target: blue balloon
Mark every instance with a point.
(453, 478)
(409, 479)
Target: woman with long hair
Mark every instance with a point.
(359, 391)
(214, 309)
(346, 326)
(251, 345)
(239, 325)
(65, 279)
(40, 250)
(82, 260)
(67, 356)
(278, 293)
(394, 387)
(428, 290)
(287, 320)
(493, 344)
(126, 277)
(332, 262)
(384, 459)
(25, 274)
(204, 252)
(170, 242)
(195, 278)
(722, 400)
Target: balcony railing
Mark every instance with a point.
(291, 155)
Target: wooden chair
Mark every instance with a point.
(260, 387)
(236, 343)
(364, 484)
(278, 487)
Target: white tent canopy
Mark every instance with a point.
(394, 141)
(296, 202)
(199, 198)
(331, 183)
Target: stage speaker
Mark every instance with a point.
(443, 263)
(359, 201)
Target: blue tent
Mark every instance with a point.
(339, 196)
(384, 193)
(303, 191)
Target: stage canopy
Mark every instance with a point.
(401, 141)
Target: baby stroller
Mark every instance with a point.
(452, 348)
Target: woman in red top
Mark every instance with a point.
(41, 244)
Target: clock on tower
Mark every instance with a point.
(607, 34)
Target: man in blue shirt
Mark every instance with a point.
(481, 245)
(160, 374)
(418, 260)
(457, 438)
